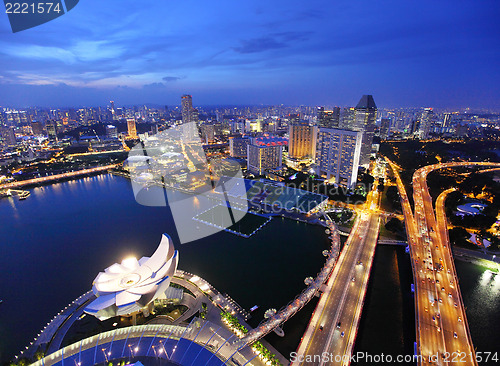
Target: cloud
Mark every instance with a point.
(171, 78)
(256, 45)
(154, 85)
(35, 52)
(270, 42)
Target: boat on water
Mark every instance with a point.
(253, 308)
(24, 195)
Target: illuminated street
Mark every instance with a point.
(334, 324)
(54, 177)
(441, 322)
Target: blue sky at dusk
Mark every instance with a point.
(405, 53)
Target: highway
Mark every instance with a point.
(50, 178)
(443, 336)
(333, 326)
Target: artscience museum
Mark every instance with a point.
(131, 286)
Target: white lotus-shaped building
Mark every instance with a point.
(125, 288)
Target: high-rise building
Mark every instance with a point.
(132, 131)
(338, 154)
(302, 140)
(186, 108)
(189, 114)
(51, 127)
(265, 154)
(8, 136)
(425, 123)
(208, 133)
(37, 128)
(238, 146)
(264, 158)
(195, 115)
(347, 118)
(385, 128)
(320, 111)
(111, 132)
(154, 129)
(113, 111)
(293, 118)
(446, 120)
(329, 119)
(364, 121)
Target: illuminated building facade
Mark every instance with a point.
(186, 108)
(238, 146)
(385, 128)
(189, 114)
(8, 136)
(329, 118)
(208, 133)
(425, 123)
(264, 154)
(132, 131)
(111, 132)
(338, 154)
(364, 121)
(129, 287)
(51, 128)
(302, 140)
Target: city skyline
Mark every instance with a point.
(250, 137)
(425, 54)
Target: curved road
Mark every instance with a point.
(443, 336)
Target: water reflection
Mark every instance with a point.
(489, 282)
(14, 207)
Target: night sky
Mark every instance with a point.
(406, 53)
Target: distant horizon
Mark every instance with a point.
(207, 106)
(442, 54)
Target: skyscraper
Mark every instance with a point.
(385, 128)
(338, 154)
(446, 120)
(264, 154)
(425, 123)
(329, 119)
(51, 127)
(113, 112)
(190, 131)
(132, 131)
(186, 108)
(302, 140)
(8, 136)
(37, 128)
(238, 146)
(364, 121)
(347, 118)
(320, 111)
(154, 129)
(414, 128)
(208, 133)
(263, 158)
